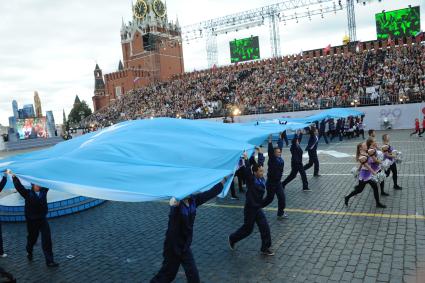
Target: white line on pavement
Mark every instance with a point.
(353, 163)
(349, 174)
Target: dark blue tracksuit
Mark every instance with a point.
(2, 184)
(273, 184)
(240, 173)
(241, 180)
(296, 166)
(322, 130)
(253, 212)
(312, 154)
(283, 137)
(35, 214)
(339, 128)
(332, 129)
(178, 238)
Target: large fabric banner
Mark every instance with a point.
(327, 114)
(143, 160)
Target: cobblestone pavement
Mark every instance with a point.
(322, 241)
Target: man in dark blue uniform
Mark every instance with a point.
(339, 128)
(296, 165)
(312, 152)
(2, 184)
(178, 237)
(322, 130)
(241, 180)
(332, 130)
(35, 214)
(241, 177)
(253, 212)
(233, 195)
(274, 175)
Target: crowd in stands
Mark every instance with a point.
(397, 73)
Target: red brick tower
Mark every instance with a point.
(152, 52)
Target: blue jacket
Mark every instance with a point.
(256, 187)
(275, 166)
(312, 144)
(35, 205)
(178, 237)
(297, 154)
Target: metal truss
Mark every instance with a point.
(279, 12)
(274, 35)
(351, 16)
(212, 51)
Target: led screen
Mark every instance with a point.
(244, 49)
(398, 23)
(31, 128)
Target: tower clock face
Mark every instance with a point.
(140, 9)
(159, 8)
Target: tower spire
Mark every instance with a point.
(177, 21)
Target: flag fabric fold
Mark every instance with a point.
(152, 159)
(334, 113)
(143, 160)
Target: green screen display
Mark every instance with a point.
(244, 49)
(398, 23)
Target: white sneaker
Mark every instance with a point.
(3, 255)
(284, 216)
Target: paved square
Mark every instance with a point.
(322, 241)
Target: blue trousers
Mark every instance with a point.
(171, 264)
(312, 160)
(36, 227)
(253, 215)
(275, 188)
(323, 134)
(295, 168)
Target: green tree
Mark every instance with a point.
(80, 111)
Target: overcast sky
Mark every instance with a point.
(52, 46)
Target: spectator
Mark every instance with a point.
(275, 86)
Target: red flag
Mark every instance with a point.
(327, 49)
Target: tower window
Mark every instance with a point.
(118, 91)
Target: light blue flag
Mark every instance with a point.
(143, 160)
(327, 114)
